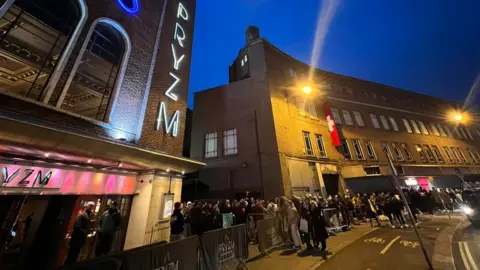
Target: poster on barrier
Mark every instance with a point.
(224, 247)
(269, 233)
(227, 220)
(178, 255)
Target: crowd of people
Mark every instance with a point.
(312, 218)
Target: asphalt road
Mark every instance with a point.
(466, 248)
(388, 248)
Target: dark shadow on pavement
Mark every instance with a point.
(288, 252)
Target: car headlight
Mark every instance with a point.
(467, 210)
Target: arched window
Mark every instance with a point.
(98, 72)
(36, 38)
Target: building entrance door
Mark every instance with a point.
(331, 183)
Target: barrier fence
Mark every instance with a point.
(270, 234)
(214, 250)
(160, 232)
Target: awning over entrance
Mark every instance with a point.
(370, 184)
(82, 148)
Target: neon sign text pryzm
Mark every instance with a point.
(179, 37)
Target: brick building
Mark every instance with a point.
(93, 98)
(262, 133)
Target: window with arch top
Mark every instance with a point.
(98, 71)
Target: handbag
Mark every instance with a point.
(303, 225)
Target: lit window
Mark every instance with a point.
(211, 145)
(37, 40)
(462, 155)
(469, 134)
(345, 149)
(397, 152)
(434, 129)
(301, 107)
(242, 63)
(312, 111)
(384, 122)
(394, 123)
(230, 142)
(358, 118)
(429, 153)
(407, 125)
(321, 146)
(449, 154)
(442, 131)
(246, 58)
(472, 155)
(370, 150)
(375, 122)
(455, 129)
(437, 153)
(98, 72)
(477, 156)
(347, 117)
(336, 116)
(456, 155)
(357, 147)
(386, 150)
(406, 150)
(420, 152)
(447, 130)
(308, 143)
(462, 130)
(423, 127)
(415, 127)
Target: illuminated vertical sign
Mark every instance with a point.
(179, 36)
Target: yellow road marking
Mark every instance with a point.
(469, 256)
(462, 254)
(389, 245)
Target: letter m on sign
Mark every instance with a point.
(170, 126)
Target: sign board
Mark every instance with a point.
(19, 178)
(167, 205)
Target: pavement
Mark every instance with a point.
(301, 260)
(366, 248)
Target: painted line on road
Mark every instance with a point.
(389, 245)
(469, 256)
(462, 254)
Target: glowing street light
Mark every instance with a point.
(458, 117)
(307, 89)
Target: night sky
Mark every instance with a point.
(426, 46)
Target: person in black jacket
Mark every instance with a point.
(319, 227)
(176, 223)
(79, 234)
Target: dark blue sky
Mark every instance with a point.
(427, 46)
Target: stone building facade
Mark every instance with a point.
(284, 145)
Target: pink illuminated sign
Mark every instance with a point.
(61, 181)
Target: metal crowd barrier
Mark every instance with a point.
(251, 225)
(160, 232)
(335, 220)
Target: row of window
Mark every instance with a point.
(229, 143)
(411, 126)
(396, 151)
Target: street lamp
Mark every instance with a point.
(458, 117)
(307, 89)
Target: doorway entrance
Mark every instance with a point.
(331, 183)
